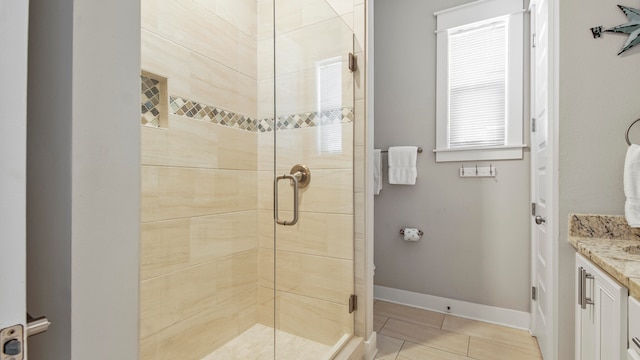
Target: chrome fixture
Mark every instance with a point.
(299, 177)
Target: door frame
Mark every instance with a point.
(14, 22)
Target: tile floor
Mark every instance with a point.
(406, 333)
(257, 344)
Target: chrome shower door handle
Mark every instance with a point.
(293, 178)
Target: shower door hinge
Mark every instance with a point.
(533, 293)
(533, 124)
(353, 62)
(353, 303)
(533, 40)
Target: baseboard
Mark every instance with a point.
(490, 314)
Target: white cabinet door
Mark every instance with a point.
(601, 314)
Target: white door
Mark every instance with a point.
(542, 175)
(13, 121)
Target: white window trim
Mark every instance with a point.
(447, 21)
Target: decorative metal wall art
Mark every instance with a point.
(632, 28)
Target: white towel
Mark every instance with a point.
(402, 165)
(632, 186)
(377, 171)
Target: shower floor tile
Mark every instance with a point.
(257, 344)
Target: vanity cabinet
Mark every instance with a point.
(601, 314)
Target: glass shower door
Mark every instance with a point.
(313, 249)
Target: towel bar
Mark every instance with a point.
(626, 134)
(419, 150)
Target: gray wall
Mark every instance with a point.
(476, 242)
(598, 99)
(83, 179)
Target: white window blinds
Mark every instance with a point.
(478, 86)
(480, 81)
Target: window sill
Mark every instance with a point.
(510, 152)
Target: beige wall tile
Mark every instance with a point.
(239, 13)
(265, 190)
(295, 14)
(331, 38)
(248, 54)
(266, 306)
(318, 158)
(330, 191)
(304, 146)
(359, 173)
(170, 298)
(266, 268)
(185, 192)
(266, 105)
(341, 6)
(189, 25)
(216, 236)
(265, 49)
(148, 348)
(236, 274)
(359, 28)
(313, 276)
(197, 336)
(265, 150)
(237, 149)
(322, 321)
(164, 247)
(315, 234)
(265, 229)
(216, 84)
(149, 192)
(265, 19)
(359, 123)
(187, 142)
(196, 143)
(297, 92)
(166, 59)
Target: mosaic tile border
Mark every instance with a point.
(196, 110)
(150, 101)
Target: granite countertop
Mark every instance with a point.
(602, 239)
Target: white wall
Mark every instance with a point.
(598, 99)
(476, 243)
(83, 178)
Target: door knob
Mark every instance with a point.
(540, 220)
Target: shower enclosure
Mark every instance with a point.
(247, 179)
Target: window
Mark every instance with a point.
(479, 105)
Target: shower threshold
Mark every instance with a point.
(256, 343)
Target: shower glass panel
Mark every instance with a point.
(313, 127)
(234, 94)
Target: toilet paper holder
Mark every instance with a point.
(419, 232)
